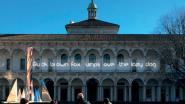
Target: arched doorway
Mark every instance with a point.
(166, 90)
(77, 85)
(137, 90)
(63, 89)
(92, 89)
(108, 88)
(4, 89)
(50, 87)
(151, 90)
(122, 88)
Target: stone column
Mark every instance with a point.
(3, 92)
(58, 93)
(55, 88)
(144, 93)
(111, 93)
(173, 93)
(101, 93)
(125, 93)
(72, 89)
(159, 93)
(181, 93)
(115, 93)
(84, 90)
(68, 93)
(167, 93)
(153, 93)
(130, 93)
(97, 94)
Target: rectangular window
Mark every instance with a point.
(7, 64)
(22, 64)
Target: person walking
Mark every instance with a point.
(80, 99)
(106, 101)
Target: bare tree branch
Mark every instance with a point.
(174, 55)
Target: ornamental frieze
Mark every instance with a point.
(83, 44)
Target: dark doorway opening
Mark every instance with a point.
(50, 87)
(63, 84)
(135, 91)
(92, 88)
(106, 92)
(63, 96)
(77, 90)
(163, 95)
(120, 91)
(120, 94)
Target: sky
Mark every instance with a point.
(51, 16)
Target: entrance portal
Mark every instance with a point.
(135, 91)
(92, 89)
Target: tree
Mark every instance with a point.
(173, 55)
(173, 23)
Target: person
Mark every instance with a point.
(106, 101)
(23, 101)
(80, 99)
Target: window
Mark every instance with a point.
(64, 58)
(120, 58)
(148, 92)
(7, 64)
(92, 58)
(149, 67)
(106, 58)
(50, 62)
(22, 64)
(134, 67)
(77, 58)
(37, 62)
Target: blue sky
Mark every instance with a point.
(51, 16)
